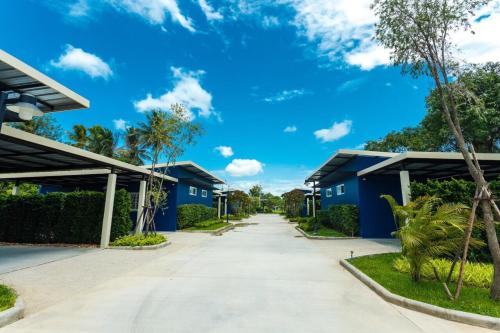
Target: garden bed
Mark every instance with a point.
(324, 233)
(215, 226)
(140, 242)
(11, 307)
(379, 268)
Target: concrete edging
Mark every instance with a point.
(12, 314)
(305, 234)
(222, 229)
(147, 247)
(433, 310)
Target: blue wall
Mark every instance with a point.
(351, 195)
(375, 215)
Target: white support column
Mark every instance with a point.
(314, 199)
(404, 177)
(108, 210)
(225, 206)
(307, 205)
(140, 207)
(15, 189)
(219, 206)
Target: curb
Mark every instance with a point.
(147, 247)
(433, 310)
(222, 229)
(13, 314)
(306, 235)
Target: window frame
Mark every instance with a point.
(329, 192)
(340, 189)
(193, 191)
(134, 196)
(204, 193)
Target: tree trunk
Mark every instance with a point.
(494, 247)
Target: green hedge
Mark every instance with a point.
(190, 214)
(342, 218)
(457, 191)
(74, 218)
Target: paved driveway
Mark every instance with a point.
(13, 258)
(259, 278)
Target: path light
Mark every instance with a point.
(352, 253)
(26, 107)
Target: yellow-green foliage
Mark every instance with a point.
(476, 274)
(140, 240)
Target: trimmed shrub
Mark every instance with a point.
(190, 214)
(74, 218)
(139, 240)
(458, 191)
(342, 218)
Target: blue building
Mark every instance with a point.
(194, 185)
(360, 177)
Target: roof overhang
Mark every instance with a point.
(193, 168)
(18, 77)
(340, 158)
(433, 165)
(27, 156)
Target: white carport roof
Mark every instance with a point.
(27, 156)
(193, 168)
(433, 164)
(18, 77)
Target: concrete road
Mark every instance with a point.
(14, 257)
(259, 278)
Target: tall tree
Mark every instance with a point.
(101, 141)
(479, 117)
(46, 126)
(418, 33)
(255, 191)
(79, 136)
(164, 135)
(132, 152)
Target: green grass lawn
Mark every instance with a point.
(379, 267)
(204, 226)
(326, 232)
(7, 297)
(139, 240)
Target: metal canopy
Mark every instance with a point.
(43, 161)
(434, 165)
(193, 168)
(340, 158)
(51, 96)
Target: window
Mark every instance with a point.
(204, 193)
(135, 201)
(340, 189)
(328, 192)
(193, 190)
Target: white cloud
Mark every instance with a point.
(337, 131)
(290, 129)
(208, 10)
(187, 91)
(154, 11)
(285, 95)
(225, 151)
(120, 124)
(244, 167)
(269, 21)
(79, 9)
(77, 59)
(351, 85)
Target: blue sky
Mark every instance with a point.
(277, 85)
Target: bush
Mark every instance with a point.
(74, 217)
(458, 191)
(7, 297)
(139, 240)
(342, 218)
(189, 215)
(306, 223)
(476, 274)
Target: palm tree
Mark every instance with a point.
(133, 152)
(101, 141)
(46, 126)
(429, 229)
(163, 135)
(79, 136)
